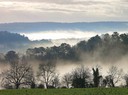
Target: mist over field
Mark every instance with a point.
(94, 46)
(56, 45)
(73, 38)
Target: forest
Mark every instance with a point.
(21, 73)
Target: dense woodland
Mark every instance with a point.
(105, 48)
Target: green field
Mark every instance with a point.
(84, 91)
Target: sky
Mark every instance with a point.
(63, 10)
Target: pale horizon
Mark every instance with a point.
(69, 34)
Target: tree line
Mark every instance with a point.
(21, 74)
(104, 48)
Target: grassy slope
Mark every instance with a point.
(91, 91)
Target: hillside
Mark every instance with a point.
(15, 41)
(7, 37)
(47, 26)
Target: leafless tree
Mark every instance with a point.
(67, 79)
(114, 76)
(56, 81)
(46, 73)
(20, 73)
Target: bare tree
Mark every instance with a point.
(67, 79)
(46, 73)
(56, 81)
(114, 76)
(19, 74)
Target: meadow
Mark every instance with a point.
(82, 91)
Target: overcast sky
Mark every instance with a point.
(63, 10)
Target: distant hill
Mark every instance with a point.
(7, 37)
(19, 43)
(12, 40)
(46, 26)
(15, 41)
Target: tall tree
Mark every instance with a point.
(46, 73)
(80, 77)
(114, 76)
(19, 74)
(12, 57)
(56, 81)
(93, 43)
(67, 79)
(96, 77)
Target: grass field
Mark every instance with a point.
(84, 91)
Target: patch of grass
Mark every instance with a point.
(84, 91)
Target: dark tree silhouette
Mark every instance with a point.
(80, 77)
(96, 77)
(124, 38)
(12, 57)
(93, 43)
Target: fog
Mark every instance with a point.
(73, 37)
(67, 66)
(58, 37)
(90, 60)
(63, 67)
(64, 34)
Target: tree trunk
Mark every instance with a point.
(45, 85)
(113, 85)
(67, 85)
(17, 85)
